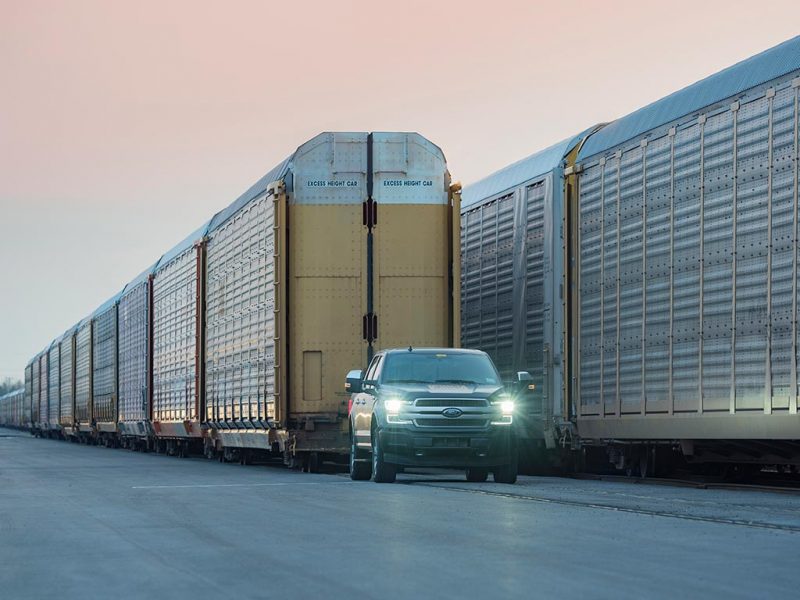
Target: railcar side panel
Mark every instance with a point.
(44, 390)
(83, 377)
(54, 385)
(67, 379)
(240, 319)
(104, 369)
(688, 276)
(176, 345)
(28, 399)
(134, 340)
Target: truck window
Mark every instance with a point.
(370, 375)
(440, 367)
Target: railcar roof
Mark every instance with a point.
(776, 62)
(525, 170)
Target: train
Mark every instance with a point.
(235, 342)
(643, 271)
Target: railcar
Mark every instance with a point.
(53, 388)
(66, 411)
(674, 256)
(135, 372)
(12, 412)
(235, 341)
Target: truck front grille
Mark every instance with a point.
(444, 422)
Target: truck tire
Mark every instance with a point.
(360, 470)
(477, 474)
(507, 473)
(382, 472)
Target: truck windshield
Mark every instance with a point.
(440, 367)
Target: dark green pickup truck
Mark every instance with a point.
(431, 407)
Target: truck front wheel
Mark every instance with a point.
(359, 466)
(382, 472)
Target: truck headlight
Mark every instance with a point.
(393, 405)
(506, 407)
(393, 408)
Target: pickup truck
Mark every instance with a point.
(431, 407)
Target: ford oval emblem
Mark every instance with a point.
(452, 412)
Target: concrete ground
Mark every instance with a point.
(89, 522)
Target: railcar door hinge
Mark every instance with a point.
(370, 327)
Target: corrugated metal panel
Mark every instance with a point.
(487, 281)
(104, 364)
(54, 383)
(83, 373)
(512, 269)
(134, 311)
(44, 389)
(240, 322)
(28, 392)
(175, 330)
(591, 291)
(535, 258)
(727, 84)
(689, 307)
(535, 166)
(658, 260)
(67, 374)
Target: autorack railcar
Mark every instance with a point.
(12, 412)
(235, 340)
(676, 279)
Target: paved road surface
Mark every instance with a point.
(89, 522)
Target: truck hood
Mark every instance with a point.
(443, 390)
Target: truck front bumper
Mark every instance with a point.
(415, 448)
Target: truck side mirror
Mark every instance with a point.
(525, 380)
(352, 384)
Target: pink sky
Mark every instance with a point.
(123, 126)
